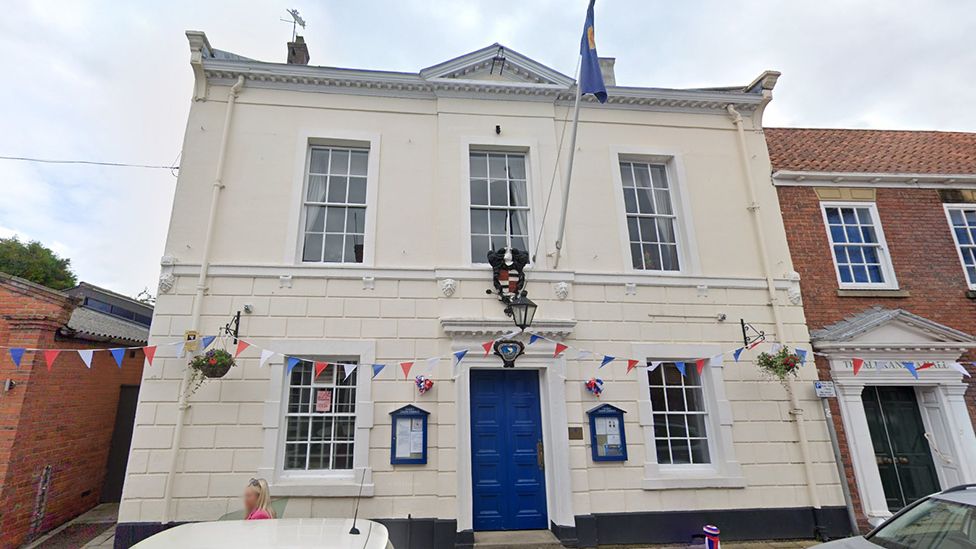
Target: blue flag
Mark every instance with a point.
(377, 368)
(802, 354)
(607, 359)
(910, 366)
(591, 77)
(681, 367)
(16, 354)
(533, 338)
(118, 355)
(292, 362)
(738, 353)
(459, 356)
(206, 341)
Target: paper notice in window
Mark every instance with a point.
(403, 438)
(323, 400)
(601, 425)
(417, 443)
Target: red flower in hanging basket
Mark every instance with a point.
(780, 365)
(212, 361)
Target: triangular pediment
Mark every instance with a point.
(890, 328)
(496, 63)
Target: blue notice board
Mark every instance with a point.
(608, 441)
(409, 436)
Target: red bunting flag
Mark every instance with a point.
(320, 367)
(857, 363)
(700, 364)
(487, 346)
(631, 364)
(405, 366)
(50, 356)
(559, 349)
(241, 345)
(150, 353)
(926, 365)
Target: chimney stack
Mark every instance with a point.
(298, 52)
(606, 67)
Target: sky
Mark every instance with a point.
(110, 81)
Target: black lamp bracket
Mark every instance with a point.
(750, 335)
(233, 328)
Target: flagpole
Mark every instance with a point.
(569, 172)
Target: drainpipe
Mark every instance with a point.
(218, 184)
(753, 207)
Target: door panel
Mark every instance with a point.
(508, 480)
(901, 451)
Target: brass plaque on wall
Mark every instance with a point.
(575, 433)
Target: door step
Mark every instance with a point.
(521, 539)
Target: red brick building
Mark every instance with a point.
(882, 231)
(64, 431)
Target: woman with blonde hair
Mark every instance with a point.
(257, 500)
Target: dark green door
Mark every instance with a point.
(900, 449)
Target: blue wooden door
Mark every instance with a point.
(507, 465)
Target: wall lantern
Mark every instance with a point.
(523, 311)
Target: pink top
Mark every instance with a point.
(258, 514)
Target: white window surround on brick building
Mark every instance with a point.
(342, 482)
(962, 224)
(722, 470)
(858, 246)
(675, 217)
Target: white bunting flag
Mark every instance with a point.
(265, 355)
(959, 368)
(180, 349)
(349, 369)
(584, 355)
(431, 364)
(653, 365)
(717, 359)
(775, 348)
(86, 356)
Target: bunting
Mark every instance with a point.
(959, 368)
(533, 338)
(16, 354)
(320, 367)
(653, 366)
(86, 356)
(432, 363)
(700, 365)
(607, 359)
(559, 350)
(405, 366)
(737, 353)
(348, 369)
(241, 345)
(205, 342)
(856, 364)
(50, 356)
(118, 355)
(910, 366)
(377, 368)
(631, 364)
(459, 356)
(150, 353)
(265, 355)
(802, 355)
(292, 362)
(681, 367)
(487, 346)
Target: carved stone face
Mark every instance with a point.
(448, 286)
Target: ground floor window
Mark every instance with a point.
(678, 405)
(320, 418)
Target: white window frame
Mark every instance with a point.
(309, 138)
(887, 267)
(304, 483)
(955, 240)
(723, 471)
(688, 258)
(530, 149)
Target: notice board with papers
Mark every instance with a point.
(409, 432)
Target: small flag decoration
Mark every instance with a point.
(405, 366)
(150, 353)
(910, 366)
(205, 342)
(737, 353)
(17, 354)
(431, 364)
(292, 362)
(487, 346)
(700, 365)
(320, 367)
(926, 366)
(241, 345)
(653, 366)
(559, 350)
(86, 357)
(265, 355)
(856, 364)
(377, 368)
(681, 367)
(802, 354)
(959, 368)
(631, 364)
(50, 356)
(607, 359)
(533, 338)
(118, 355)
(348, 369)
(459, 356)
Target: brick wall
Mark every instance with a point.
(63, 417)
(925, 262)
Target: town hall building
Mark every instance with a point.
(347, 215)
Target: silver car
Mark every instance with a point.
(946, 520)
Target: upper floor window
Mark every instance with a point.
(320, 418)
(858, 245)
(650, 216)
(499, 202)
(335, 205)
(962, 218)
(678, 404)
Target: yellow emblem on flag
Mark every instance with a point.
(589, 37)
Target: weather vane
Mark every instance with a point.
(296, 21)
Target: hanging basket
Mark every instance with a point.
(781, 365)
(213, 364)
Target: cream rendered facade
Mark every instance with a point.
(417, 294)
